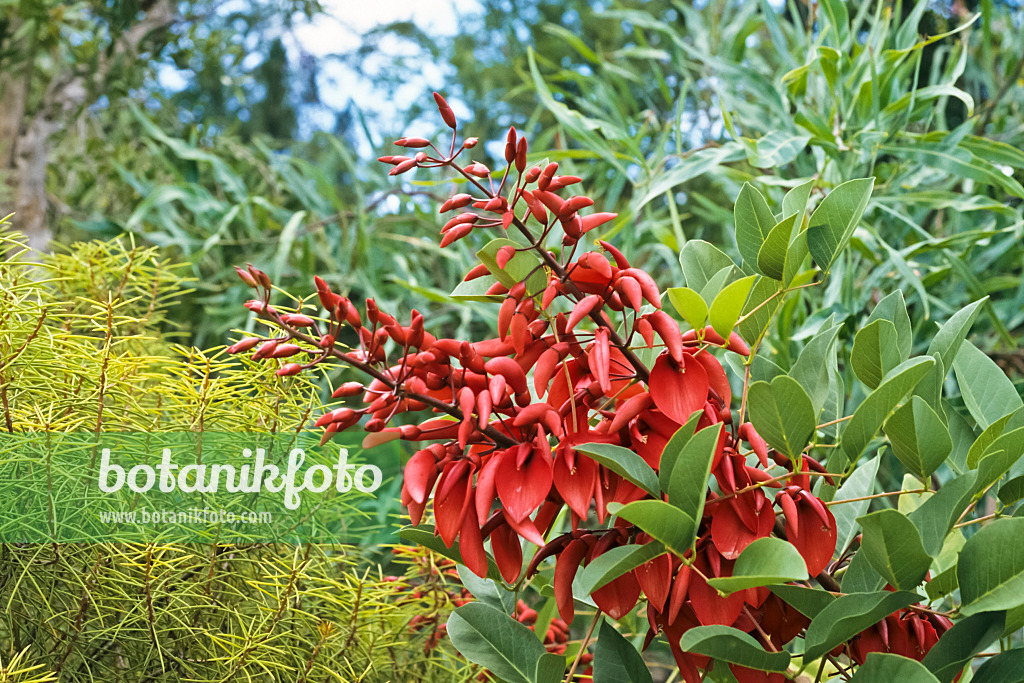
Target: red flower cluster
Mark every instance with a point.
(562, 371)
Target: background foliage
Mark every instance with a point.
(664, 108)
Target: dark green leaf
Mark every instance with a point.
(833, 222)
(991, 568)
(771, 259)
(811, 367)
(782, 413)
(612, 564)
(894, 309)
(807, 601)
(988, 392)
(935, 517)
(623, 462)
(879, 404)
(875, 352)
(674, 448)
(958, 646)
(687, 488)
(1007, 667)
(616, 660)
(754, 220)
(882, 667)
(492, 639)
(893, 546)
(848, 616)
(919, 437)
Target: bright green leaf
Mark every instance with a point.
(726, 307)
(764, 562)
(727, 644)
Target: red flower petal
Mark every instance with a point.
(523, 489)
(678, 389)
(655, 579)
(576, 485)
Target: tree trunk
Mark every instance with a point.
(25, 136)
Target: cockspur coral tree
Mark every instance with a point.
(596, 428)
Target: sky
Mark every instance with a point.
(339, 30)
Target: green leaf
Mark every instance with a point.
(623, 462)
(838, 19)
(860, 576)
(674, 448)
(689, 304)
(727, 644)
(664, 522)
(942, 585)
(754, 220)
(859, 484)
(882, 667)
(764, 562)
(875, 352)
(807, 601)
(946, 342)
(725, 309)
(487, 591)
(616, 660)
(496, 641)
(688, 483)
(848, 616)
(893, 546)
(833, 222)
(879, 404)
(1006, 667)
(550, 668)
(612, 564)
(936, 516)
(987, 391)
(919, 437)
(999, 457)
(754, 323)
(718, 282)
(894, 309)
(991, 568)
(771, 259)
(988, 436)
(700, 260)
(795, 202)
(522, 264)
(782, 413)
(777, 148)
(958, 646)
(812, 365)
(476, 290)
